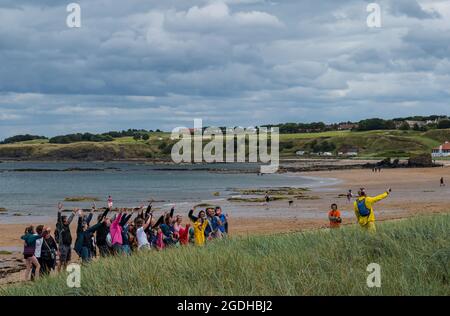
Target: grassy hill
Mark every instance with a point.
(414, 256)
(373, 144)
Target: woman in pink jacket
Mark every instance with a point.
(115, 230)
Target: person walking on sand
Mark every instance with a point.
(334, 216)
(266, 199)
(442, 183)
(349, 195)
(364, 208)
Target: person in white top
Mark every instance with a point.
(37, 250)
(141, 236)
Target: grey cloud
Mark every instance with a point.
(159, 64)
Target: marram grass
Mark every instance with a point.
(414, 255)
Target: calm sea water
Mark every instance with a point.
(34, 193)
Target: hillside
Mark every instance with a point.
(414, 256)
(373, 144)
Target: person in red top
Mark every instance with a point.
(334, 216)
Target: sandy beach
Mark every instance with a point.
(415, 192)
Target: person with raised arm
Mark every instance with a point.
(64, 238)
(364, 208)
(102, 233)
(141, 235)
(115, 230)
(200, 224)
(84, 237)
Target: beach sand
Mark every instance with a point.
(415, 192)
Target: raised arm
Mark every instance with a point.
(147, 224)
(378, 198)
(104, 215)
(159, 222)
(80, 224)
(94, 228)
(89, 217)
(59, 217)
(148, 211)
(191, 216)
(125, 219)
(71, 217)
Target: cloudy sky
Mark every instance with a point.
(160, 64)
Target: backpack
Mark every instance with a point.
(362, 208)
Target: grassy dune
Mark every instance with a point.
(373, 144)
(414, 256)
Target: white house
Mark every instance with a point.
(442, 151)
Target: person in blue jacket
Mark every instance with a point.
(84, 236)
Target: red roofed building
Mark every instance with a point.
(442, 151)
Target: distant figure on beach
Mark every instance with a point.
(364, 208)
(110, 202)
(349, 195)
(442, 183)
(267, 198)
(334, 216)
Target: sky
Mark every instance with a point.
(160, 64)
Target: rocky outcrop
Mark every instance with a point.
(421, 161)
(11, 265)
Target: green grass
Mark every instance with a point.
(414, 256)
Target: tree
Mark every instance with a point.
(145, 137)
(372, 124)
(404, 127)
(136, 137)
(443, 124)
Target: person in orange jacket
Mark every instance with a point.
(334, 216)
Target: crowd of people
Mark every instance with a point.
(120, 234)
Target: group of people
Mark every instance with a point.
(120, 234)
(363, 208)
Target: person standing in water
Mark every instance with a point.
(442, 183)
(364, 208)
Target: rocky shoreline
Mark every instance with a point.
(11, 263)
